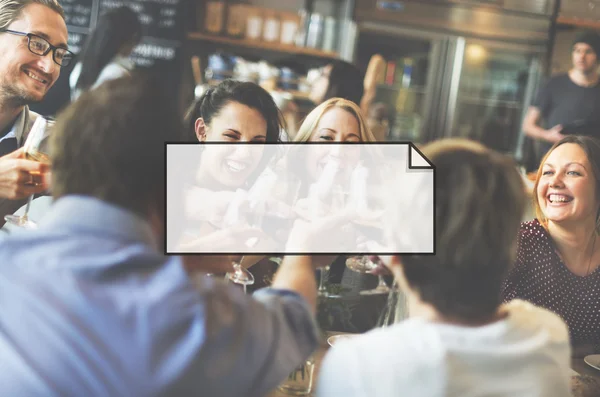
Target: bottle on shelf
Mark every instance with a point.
(407, 72)
(214, 17)
(314, 36)
(300, 39)
(271, 26)
(236, 19)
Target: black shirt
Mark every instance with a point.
(576, 108)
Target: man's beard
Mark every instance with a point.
(15, 97)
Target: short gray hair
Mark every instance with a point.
(10, 10)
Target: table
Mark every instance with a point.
(39, 208)
(585, 379)
(318, 355)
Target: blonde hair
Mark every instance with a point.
(10, 10)
(312, 120)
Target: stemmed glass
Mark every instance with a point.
(32, 151)
(323, 273)
(326, 196)
(337, 201)
(396, 308)
(232, 218)
(240, 275)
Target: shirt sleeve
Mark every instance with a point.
(543, 100)
(511, 285)
(255, 341)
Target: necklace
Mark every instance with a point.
(587, 273)
(591, 255)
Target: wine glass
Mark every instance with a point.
(31, 148)
(233, 217)
(334, 201)
(363, 264)
(240, 275)
(396, 308)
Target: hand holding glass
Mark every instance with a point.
(32, 151)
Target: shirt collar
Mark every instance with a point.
(18, 128)
(124, 61)
(83, 213)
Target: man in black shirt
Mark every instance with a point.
(569, 103)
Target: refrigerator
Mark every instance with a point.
(456, 68)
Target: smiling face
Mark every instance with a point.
(26, 77)
(567, 188)
(335, 126)
(584, 58)
(232, 165)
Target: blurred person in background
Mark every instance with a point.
(105, 53)
(338, 79)
(568, 103)
(89, 304)
(33, 44)
(558, 253)
(460, 339)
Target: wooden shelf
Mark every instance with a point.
(263, 45)
(578, 22)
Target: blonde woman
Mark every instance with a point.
(338, 120)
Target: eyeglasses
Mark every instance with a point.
(40, 46)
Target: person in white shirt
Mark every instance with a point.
(106, 51)
(459, 339)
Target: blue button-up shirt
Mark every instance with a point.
(90, 307)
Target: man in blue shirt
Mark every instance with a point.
(89, 305)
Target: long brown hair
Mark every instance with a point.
(591, 147)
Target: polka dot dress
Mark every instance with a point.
(540, 276)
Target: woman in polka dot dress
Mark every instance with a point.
(558, 255)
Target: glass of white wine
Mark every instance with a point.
(31, 148)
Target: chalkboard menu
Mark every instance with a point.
(162, 22)
(160, 48)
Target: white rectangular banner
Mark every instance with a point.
(299, 198)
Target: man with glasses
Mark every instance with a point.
(33, 44)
